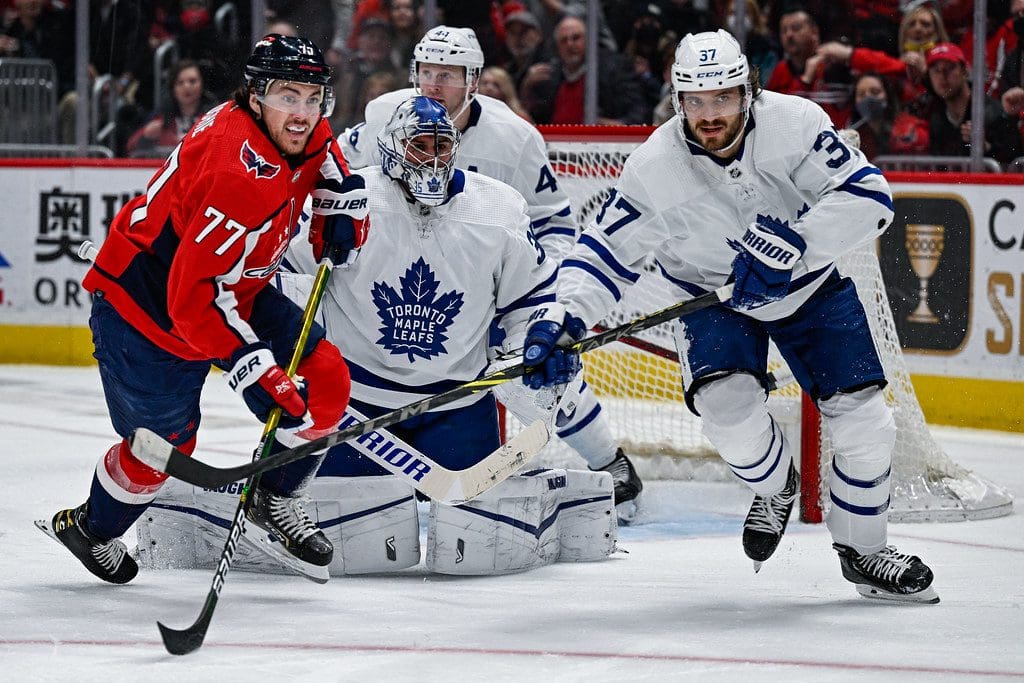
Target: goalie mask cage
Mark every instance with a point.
(640, 388)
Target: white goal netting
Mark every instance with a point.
(641, 393)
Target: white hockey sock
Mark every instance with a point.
(589, 433)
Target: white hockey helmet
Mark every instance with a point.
(425, 175)
(450, 46)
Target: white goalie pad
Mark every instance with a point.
(372, 522)
(527, 521)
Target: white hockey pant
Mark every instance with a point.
(863, 434)
(737, 423)
(526, 521)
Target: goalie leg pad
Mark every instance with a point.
(372, 522)
(863, 433)
(736, 421)
(527, 521)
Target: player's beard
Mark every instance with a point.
(288, 142)
(728, 128)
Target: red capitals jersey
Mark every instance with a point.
(184, 262)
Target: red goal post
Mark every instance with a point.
(640, 391)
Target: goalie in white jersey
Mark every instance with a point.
(453, 256)
(499, 144)
(759, 189)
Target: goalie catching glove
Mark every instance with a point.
(340, 220)
(764, 265)
(545, 350)
(263, 384)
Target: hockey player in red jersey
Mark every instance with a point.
(182, 282)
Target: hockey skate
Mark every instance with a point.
(279, 527)
(888, 575)
(627, 486)
(766, 521)
(109, 560)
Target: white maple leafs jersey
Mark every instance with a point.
(497, 143)
(688, 210)
(413, 314)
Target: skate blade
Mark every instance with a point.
(757, 566)
(44, 526)
(275, 550)
(927, 597)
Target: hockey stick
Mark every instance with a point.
(164, 457)
(184, 641)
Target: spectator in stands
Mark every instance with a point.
(807, 74)
(551, 13)
(495, 82)
(876, 25)
(1000, 42)
(406, 28)
(188, 101)
(38, 31)
(524, 44)
(313, 18)
(761, 48)
(883, 126)
(950, 126)
(665, 109)
(643, 48)
(375, 85)
(554, 92)
(1011, 78)
(373, 54)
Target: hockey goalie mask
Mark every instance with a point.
(446, 47)
(417, 148)
(706, 62)
(288, 58)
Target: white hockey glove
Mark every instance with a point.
(552, 404)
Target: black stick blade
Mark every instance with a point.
(186, 640)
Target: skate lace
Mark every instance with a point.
(109, 555)
(763, 513)
(887, 564)
(619, 469)
(289, 516)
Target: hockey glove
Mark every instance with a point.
(551, 330)
(263, 384)
(764, 265)
(340, 221)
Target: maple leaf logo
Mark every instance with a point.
(414, 322)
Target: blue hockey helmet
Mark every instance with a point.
(417, 148)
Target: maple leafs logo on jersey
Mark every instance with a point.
(414, 323)
(254, 162)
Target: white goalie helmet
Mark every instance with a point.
(451, 46)
(417, 148)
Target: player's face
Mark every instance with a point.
(713, 117)
(444, 83)
(290, 111)
(422, 149)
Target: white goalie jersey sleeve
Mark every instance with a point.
(413, 315)
(496, 143)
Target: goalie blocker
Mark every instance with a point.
(527, 521)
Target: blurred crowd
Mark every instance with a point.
(897, 71)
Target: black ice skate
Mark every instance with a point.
(109, 560)
(279, 527)
(627, 486)
(766, 521)
(888, 575)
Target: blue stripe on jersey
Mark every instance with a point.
(529, 299)
(862, 510)
(557, 230)
(540, 222)
(851, 186)
(860, 483)
(608, 259)
(605, 281)
(456, 185)
(363, 376)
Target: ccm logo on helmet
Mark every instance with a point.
(710, 74)
(328, 204)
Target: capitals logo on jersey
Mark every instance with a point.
(254, 162)
(414, 322)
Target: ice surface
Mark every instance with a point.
(683, 604)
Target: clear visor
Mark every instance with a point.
(708, 106)
(294, 104)
(428, 74)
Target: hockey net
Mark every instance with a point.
(640, 388)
